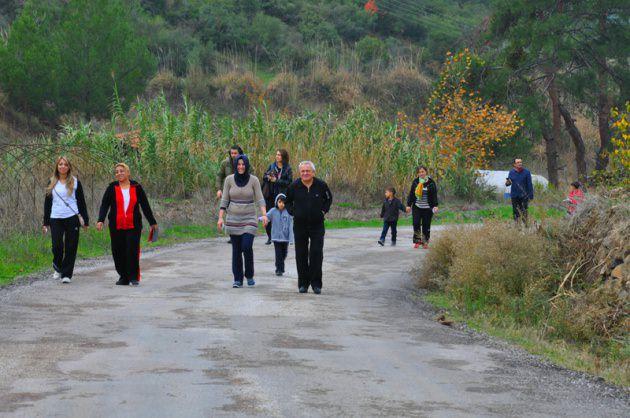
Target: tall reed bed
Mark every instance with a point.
(177, 154)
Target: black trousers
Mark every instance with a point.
(282, 249)
(519, 208)
(242, 257)
(65, 242)
(126, 253)
(421, 224)
(309, 253)
(389, 224)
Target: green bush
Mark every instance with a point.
(370, 48)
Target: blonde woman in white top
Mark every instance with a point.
(64, 214)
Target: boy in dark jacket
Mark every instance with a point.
(389, 212)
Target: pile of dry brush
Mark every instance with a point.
(571, 277)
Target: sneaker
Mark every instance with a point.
(229, 241)
(381, 242)
(268, 242)
(237, 285)
(416, 245)
(122, 282)
(278, 273)
(134, 283)
(317, 290)
(66, 280)
(56, 275)
(302, 289)
(393, 243)
(251, 282)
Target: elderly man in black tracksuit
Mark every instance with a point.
(308, 200)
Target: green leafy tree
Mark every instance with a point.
(573, 52)
(62, 58)
(99, 46)
(29, 61)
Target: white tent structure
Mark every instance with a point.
(496, 179)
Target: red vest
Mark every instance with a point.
(124, 220)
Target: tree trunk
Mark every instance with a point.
(551, 141)
(578, 143)
(603, 122)
(551, 152)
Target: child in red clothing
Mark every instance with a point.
(576, 196)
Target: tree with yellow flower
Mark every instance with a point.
(459, 127)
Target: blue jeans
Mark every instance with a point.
(242, 250)
(386, 226)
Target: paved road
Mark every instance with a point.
(186, 344)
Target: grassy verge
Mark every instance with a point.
(610, 364)
(28, 254)
(449, 216)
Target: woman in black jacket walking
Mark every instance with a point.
(423, 203)
(64, 212)
(277, 179)
(123, 200)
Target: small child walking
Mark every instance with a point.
(281, 231)
(389, 212)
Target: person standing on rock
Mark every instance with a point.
(239, 199)
(123, 199)
(278, 177)
(226, 169)
(308, 201)
(422, 202)
(521, 191)
(64, 213)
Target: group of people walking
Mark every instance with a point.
(291, 210)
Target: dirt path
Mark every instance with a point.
(186, 344)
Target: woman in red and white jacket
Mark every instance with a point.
(123, 200)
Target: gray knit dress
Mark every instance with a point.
(241, 204)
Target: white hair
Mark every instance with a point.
(307, 163)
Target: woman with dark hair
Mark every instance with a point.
(423, 203)
(64, 212)
(277, 179)
(241, 195)
(123, 200)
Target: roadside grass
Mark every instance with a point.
(611, 363)
(452, 216)
(27, 254)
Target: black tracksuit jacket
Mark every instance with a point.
(308, 206)
(109, 204)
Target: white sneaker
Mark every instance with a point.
(66, 280)
(56, 275)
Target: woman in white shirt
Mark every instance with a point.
(64, 212)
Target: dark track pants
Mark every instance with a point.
(242, 253)
(126, 253)
(386, 225)
(309, 253)
(282, 249)
(65, 242)
(519, 208)
(421, 224)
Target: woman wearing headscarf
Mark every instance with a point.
(64, 212)
(240, 198)
(123, 200)
(423, 203)
(278, 177)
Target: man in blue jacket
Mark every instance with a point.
(522, 190)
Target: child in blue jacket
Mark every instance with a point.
(281, 231)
